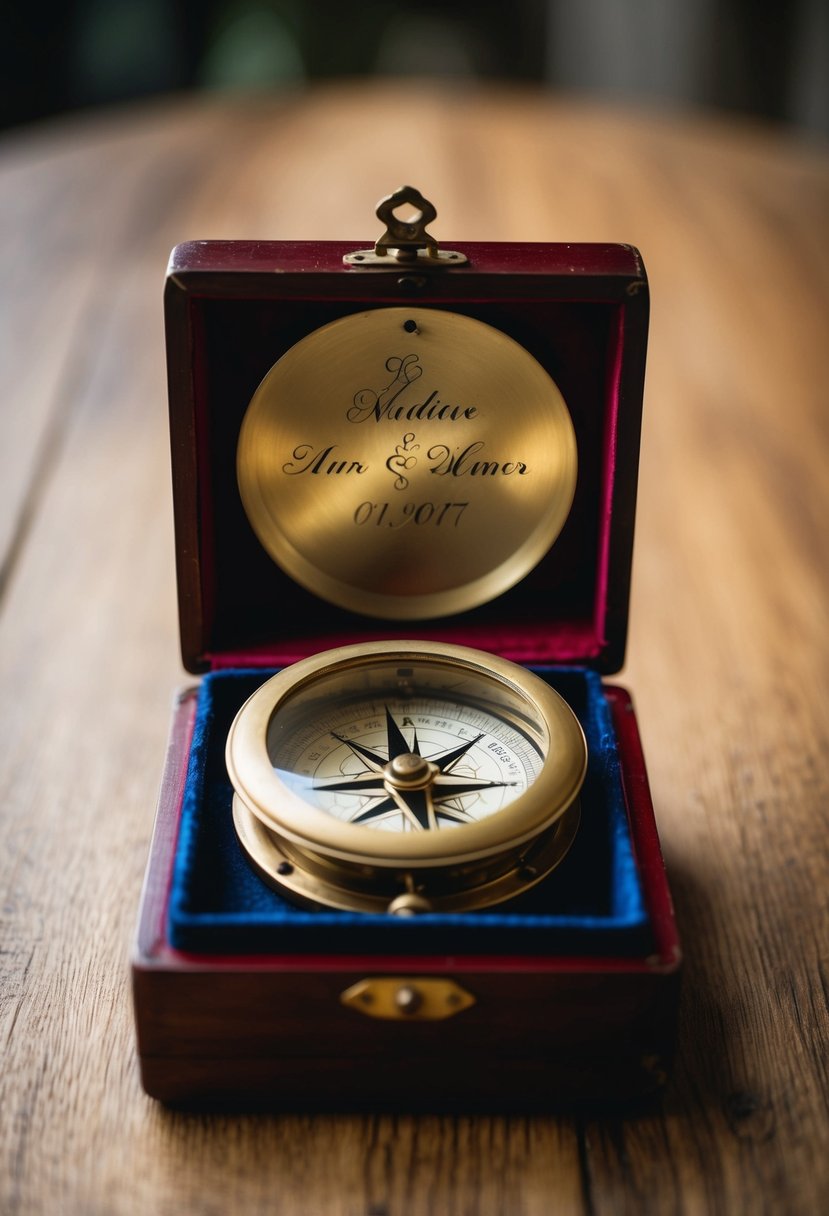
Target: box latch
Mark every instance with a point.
(402, 998)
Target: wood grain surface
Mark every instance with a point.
(727, 658)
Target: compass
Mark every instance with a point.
(405, 777)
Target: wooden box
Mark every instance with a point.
(238, 994)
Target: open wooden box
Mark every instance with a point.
(238, 993)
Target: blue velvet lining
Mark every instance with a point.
(591, 905)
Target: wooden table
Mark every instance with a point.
(727, 658)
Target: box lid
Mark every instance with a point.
(234, 308)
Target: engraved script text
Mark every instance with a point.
(308, 459)
(461, 463)
(383, 405)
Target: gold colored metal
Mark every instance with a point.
(405, 242)
(409, 904)
(310, 879)
(420, 999)
(407, 463)
(362, 821)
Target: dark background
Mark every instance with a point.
(744, 56)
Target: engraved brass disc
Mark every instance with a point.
(407, 462)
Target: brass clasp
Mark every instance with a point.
(402, 998)
(405, 242)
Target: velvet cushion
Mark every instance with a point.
(592, 905)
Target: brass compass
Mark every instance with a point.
(405, 777)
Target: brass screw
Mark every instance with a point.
(408, 999)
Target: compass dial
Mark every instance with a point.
(405, 776)
(408, 765)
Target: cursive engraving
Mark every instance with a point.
(384, 405)
(460, 463)
(401, 460)
(308, 459)
(367, 403)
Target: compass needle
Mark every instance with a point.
(371, 758)
(451, 789)
(362, 784)
(446, 762)
(397, 745)
(375, 813)
(420, 807)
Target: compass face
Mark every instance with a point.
(407, 764)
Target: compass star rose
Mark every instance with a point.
(424, 789)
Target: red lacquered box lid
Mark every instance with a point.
(233, 308)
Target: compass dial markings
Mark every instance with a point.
(454, 814)
(480, 757)
(376, 762)
(421, 807)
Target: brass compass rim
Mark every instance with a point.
(285, 813)
(311, 885)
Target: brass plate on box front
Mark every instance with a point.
(407, 462)
(396, 998)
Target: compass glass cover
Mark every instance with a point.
(406, 748)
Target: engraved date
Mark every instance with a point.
(397, 515)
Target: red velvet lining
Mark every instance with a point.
(609, 465)
(564, 641)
